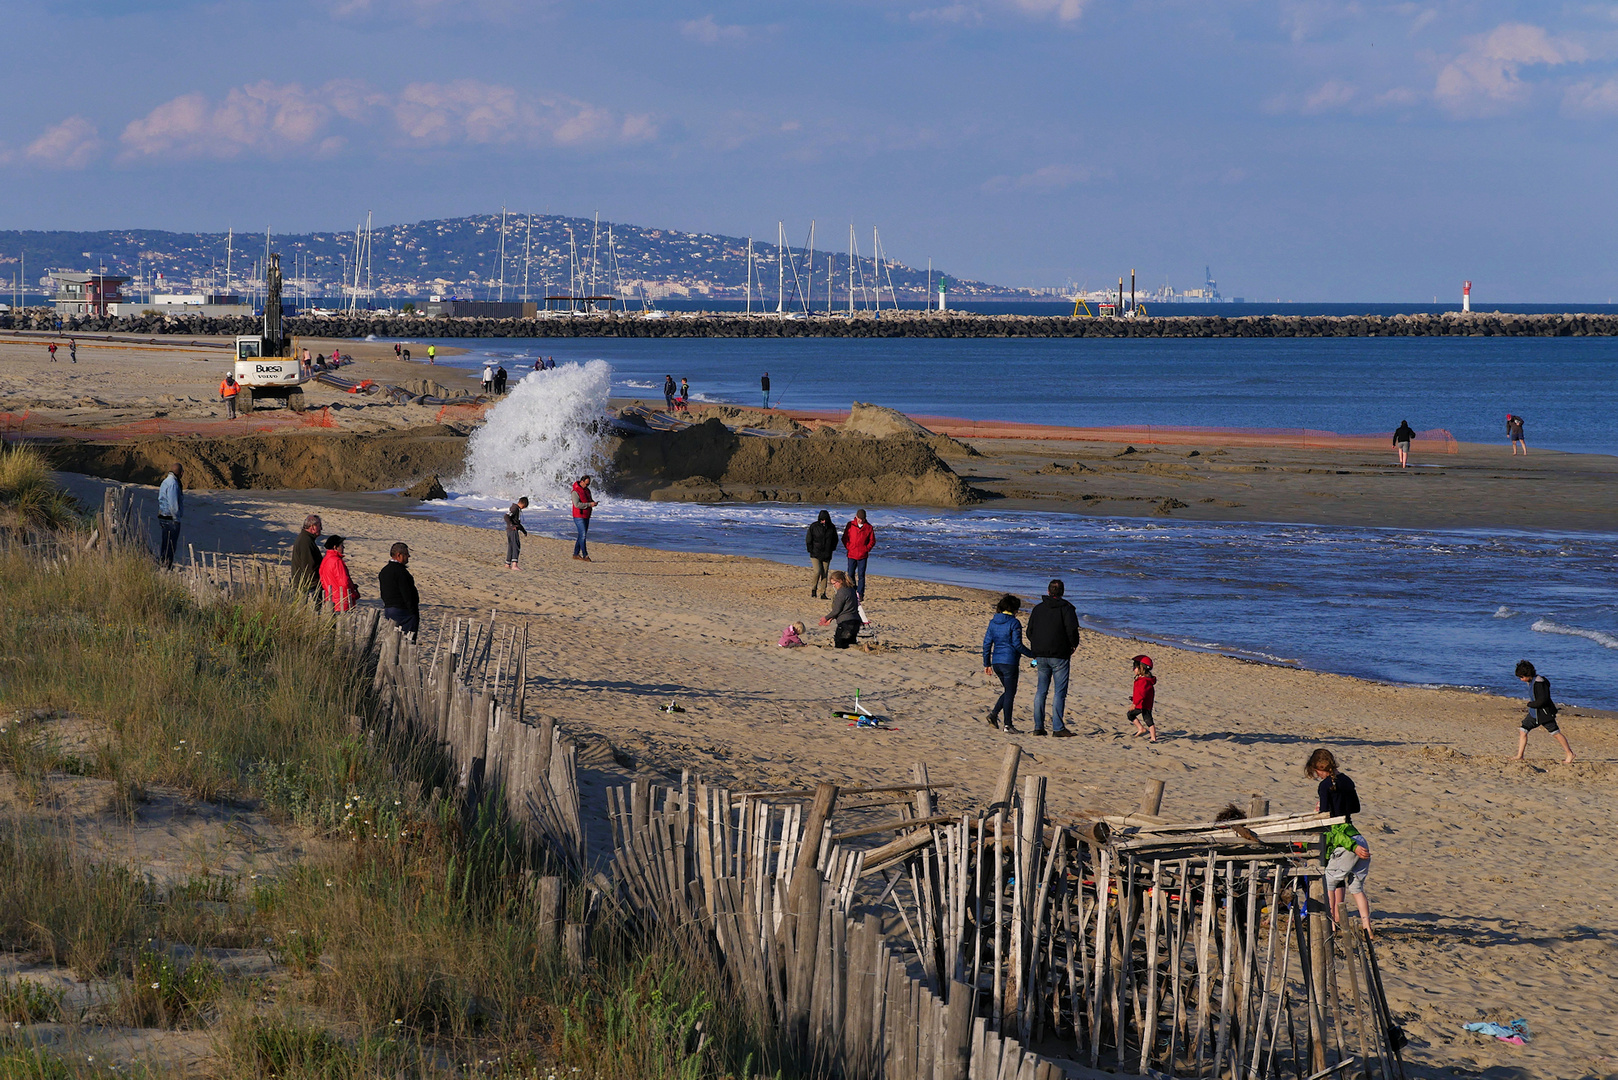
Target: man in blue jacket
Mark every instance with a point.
(1053, 635)
(170, 506)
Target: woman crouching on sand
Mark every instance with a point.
(1348, 861)
(1002, 645)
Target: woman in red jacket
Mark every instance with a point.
(858, 540)
(335, 583)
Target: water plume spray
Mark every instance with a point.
(546, 434)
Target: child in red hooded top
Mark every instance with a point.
(1145, 694)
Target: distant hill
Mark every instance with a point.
(459, 256)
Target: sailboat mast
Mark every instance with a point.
(809, 277)
(502, 254)
(527, 249)
(595, 237)
(851, 268)
(780, 269)
(230, 235)
(370, 236)
(876, 266)
(750, 275)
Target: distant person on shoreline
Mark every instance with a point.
(1541, 712)
(685, 392)
(668, 393)
(821, 542)
(1002, 646)
(1348, 856)
(306, 556)
(1401, 441)
(858, 540)
(1053, 635)
(1514, 433)
(583, 503)
(170, 509)
(845, 611)
(335, 584)
(500, 377)
(401, 603)
(515, 532)
(765, 383)
(1143, 697)
(432, 353)
(488, 378)
(398, 351)
(73, 350)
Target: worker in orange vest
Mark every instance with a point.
(227, 391)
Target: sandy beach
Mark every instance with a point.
(1492, 884)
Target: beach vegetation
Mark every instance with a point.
(405, 935)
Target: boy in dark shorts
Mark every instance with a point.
(1541, 711)
(1143, 697)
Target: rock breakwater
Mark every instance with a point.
(904, 324)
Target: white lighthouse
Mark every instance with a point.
(1466, 297)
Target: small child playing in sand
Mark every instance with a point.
(1348, 861)
(792, 636)
(1145, 694)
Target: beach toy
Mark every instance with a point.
(670, 707)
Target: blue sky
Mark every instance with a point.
(1306, 149)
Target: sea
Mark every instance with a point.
(1431, 607)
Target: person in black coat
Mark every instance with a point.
(401, 604)
(1053, 635)
(822, 545)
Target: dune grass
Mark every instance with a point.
(28, 499)
(413, 948)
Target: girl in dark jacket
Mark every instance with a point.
(1002, 646)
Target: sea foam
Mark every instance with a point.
(1605, 640)
(545, 435)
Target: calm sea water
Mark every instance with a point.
(1565, 388)
(1436, 607)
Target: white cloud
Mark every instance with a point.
(72, 144)
(976, 12)
(1043, 180)
(428, 12)
(267, 118)
(1329, 95)
(263, 117)
(1591, 98)
(1487, 76)
(709, 32)
(467, 111)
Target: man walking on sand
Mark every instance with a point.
(306, 556)
(583, 503)
(1053, 635)
(1402, 439)
(401, 603)
(170, 508)
(858, 540)
(73, 350)
(227, 394)
(822, 544)
(515, 532)
(765, 382)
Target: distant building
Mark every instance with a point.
(210, 305)
(482, 309)
(87, 294)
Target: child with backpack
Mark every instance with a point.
(1348, 861)
(1143, 697)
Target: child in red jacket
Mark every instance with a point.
(1145, 694)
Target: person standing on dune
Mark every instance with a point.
(858, 540)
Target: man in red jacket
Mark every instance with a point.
(858, 540)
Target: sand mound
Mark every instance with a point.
(708, 462)
(305, 459)
(736, 416)
(881, 422)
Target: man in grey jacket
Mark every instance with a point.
(170, 508)
(1053, 635)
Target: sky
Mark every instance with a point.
(1305, 150)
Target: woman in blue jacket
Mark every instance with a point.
(1002, 645)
